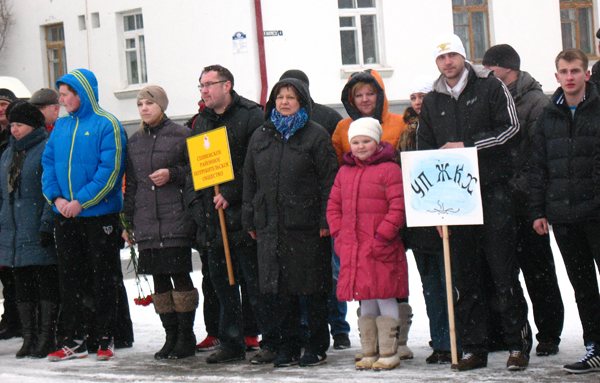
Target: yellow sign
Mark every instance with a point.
(210, 159)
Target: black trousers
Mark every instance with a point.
(490, 245)
(10, 317)
(286, 323)
(89, 271)
(536, 260)
(579, 245)
(37, 283)
(231, 318)
(211, 304)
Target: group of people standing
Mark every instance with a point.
(314, 216)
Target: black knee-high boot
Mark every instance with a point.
(27, 314)
(47, 341)
(163, 304)
(186, 303)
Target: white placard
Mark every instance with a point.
(441, 187)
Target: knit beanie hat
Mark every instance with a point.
(365, 126)
(421, 84)
(7, 95)
(449, 43)
(156, 94)
(25, 113)
(295, 73)
(502, 55)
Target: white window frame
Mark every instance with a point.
(356, 13)
(130, 90)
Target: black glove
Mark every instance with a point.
(46, 239)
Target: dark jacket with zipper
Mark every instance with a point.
(241, 118)
(26, 213)
(562, 161)
(286, 189)
(484, 116)
(530, 100)
(157, 213)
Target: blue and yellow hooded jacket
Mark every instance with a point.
(84, 159)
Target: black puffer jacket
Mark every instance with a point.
(561, 181)
(529, 100)
(157, 213)
(484, 116)
(241, 118)
(286, 188)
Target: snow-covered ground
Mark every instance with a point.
(138, 365)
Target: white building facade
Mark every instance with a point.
(131, 43)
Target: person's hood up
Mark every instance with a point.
(301, 90)
(85, 84)
(385, 152)
(369, 76)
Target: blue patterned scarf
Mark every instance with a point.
(290, 124)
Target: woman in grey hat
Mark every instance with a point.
(156, 169)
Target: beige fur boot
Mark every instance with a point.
(405, 321)
(368, 341)
(358, 356)
(387, 330)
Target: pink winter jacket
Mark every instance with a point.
(365, 212)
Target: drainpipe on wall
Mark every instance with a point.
(261, 51)
(87, 34)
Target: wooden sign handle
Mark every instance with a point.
(450, 295)
(225, 242)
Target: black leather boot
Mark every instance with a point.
(47, 341)
(27, 314)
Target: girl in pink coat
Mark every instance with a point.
(365, 213)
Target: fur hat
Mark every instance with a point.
(25, 113)
(365, 126)
(448, 43)
(44, 96)
(502, 55)
(7, 95)
(156, 94)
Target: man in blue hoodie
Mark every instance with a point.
(84, 162)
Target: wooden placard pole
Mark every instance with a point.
(450, 295)
(225, 241)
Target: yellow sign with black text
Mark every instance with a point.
(210, 159)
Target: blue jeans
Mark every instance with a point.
(431, 269)
(337, 310)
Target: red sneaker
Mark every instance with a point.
(70, 350)
(252, 343)
(210, 343)
(106, 350)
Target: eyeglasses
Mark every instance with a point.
(209, 84)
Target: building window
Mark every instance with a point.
(471, 25)
(577, 25)
(135, 48)
(359, 32)
(55, 48)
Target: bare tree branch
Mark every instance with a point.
(6, 21)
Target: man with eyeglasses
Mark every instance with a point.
(241, 117)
